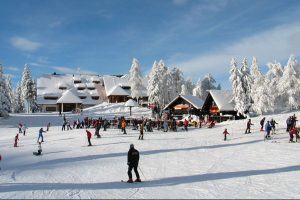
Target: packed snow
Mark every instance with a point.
(193, 164)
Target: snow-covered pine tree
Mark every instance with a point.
(18, 105)
(163, 69)
(236, 83)
(246, 84)
(154, 85)
(9, 92)
(4, 96)
(275, 100)
(289, 85)
(27, 88)
(135, 80)
(262, 103)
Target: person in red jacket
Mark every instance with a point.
(89, 136)
(292, 133)
(185, 124)
(16, 140)
(225, 134)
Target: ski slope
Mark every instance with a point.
(193, 164)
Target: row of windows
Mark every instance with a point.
(81, 97)
(79, 81)
(79, 88)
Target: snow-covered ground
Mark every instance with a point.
(193, 164)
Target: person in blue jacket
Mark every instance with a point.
(268, 129)
(41, 135)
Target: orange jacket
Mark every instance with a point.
(123, 125)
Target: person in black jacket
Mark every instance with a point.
(133, 162)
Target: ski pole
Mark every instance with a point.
(142, 172)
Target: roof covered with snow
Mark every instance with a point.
(49, 86)
(69, 97)
(223, 99)
(119, 86)
(131, 103)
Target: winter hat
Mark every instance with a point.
(131, 146)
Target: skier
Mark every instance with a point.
(97, 128)
(133, 157)
(165, 125)
(24, 129)
(16, 140)
(141, 137)
(185, 124)
(20, 128)
(41, 135)
(89, 135)
(268, 128)
(39, 152)
(262, 124)
(123, 126)
(248, 127)
(273, 123)
(225, 134)
(48, 126)
(0, 159)
(288, 124)
(292, 133)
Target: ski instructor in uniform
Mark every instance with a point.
(133, 162)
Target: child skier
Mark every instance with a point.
(248, 127)
(225, 134)
(16, 140)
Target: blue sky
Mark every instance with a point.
(103, 36)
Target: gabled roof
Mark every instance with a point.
(69, 97)
(193, 100)
(223, 99)
(117, 91)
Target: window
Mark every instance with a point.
(91, 88)
(95, 97)
(62, 87)
(77, 81)
(80, 88)
(50, 98)
(97, 82)
(126, 87)
(82, 97)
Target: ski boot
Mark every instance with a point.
(130, 180)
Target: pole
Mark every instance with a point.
(142, 173)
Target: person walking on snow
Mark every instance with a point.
(141, 137)
(20, 128)
(89, 136)
(186, 124)
(248, 127)
(268, 129)
(273, 125)
(123, 126)
(41, 131)
(133, 157)
(24, 129)
(262, 122)
(225, 134)
(16, 140)
(48, 126)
